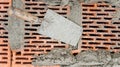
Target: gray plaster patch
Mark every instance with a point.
(58, 56)
(15, 28)
(60, 28)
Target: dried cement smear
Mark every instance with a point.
(60, 28)
(15, 28)
(57, 56)
(21, 14)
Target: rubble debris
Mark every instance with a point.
(116, 16)
(58, 56)
(15, 28)
(60, 28)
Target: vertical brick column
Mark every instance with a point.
(99, 32)
(5, 53)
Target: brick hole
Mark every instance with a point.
(6, 7)
(59, 46)
(18, 53)
(101, 39)
(5, 49)
(5, 41)
(97, 10)
(84, 17)
(26, 50)
(87, 38)
(35, 34)
(4, 20)
(27, 62)
(64, 8)
(52, 42)
(109, 10)
(29, 54)
(27, 42)
(110, 27)
(40, 50)
(33, 12)
(17, 62)
(4, 57)
(35, 25)
(62, 13)
(3, 62)
(102, 22)
(107, 18)
(37, 41)
(87, 47)
(102, 5)
(116, 22)
(44, 38)
(30, 29)
(3, 11)
(109, 35)
(48, 50)
(105, 31)
(94, 35)
(84, 34)
(116, 47)
(27, 33)
(3, 45)
(29, 46)
(31, 4)
(20, 58)
(93, 26)
(3, 54)
(100, 47)
(42, 4)
(95, 43)
(87, 22)
(90, 14)
(5, 3)
(3, 36)
(95, 18)
(102, 14)
(75, 54)
(5, 16)
(115, 39)
(115, 31)
(45, 46)
(27, 8)
(87, 5)
(84, 26)
(29, 37)
(27, 25)
(42, 12)
(88, 30)
(40, 16)
(1, 28)
(107, 43)
(84, 43)
(38, 8)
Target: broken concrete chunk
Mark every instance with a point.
(60, 28)
(23, 15)
(58, 56)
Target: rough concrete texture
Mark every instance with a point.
(60, 28)
(15, 28)
(58, 56)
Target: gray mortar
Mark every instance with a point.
(15, 28)
(58, 56)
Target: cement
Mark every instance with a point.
(58, 56)
(15, 28)
(60, 28)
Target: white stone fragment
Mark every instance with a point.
(60, 28)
